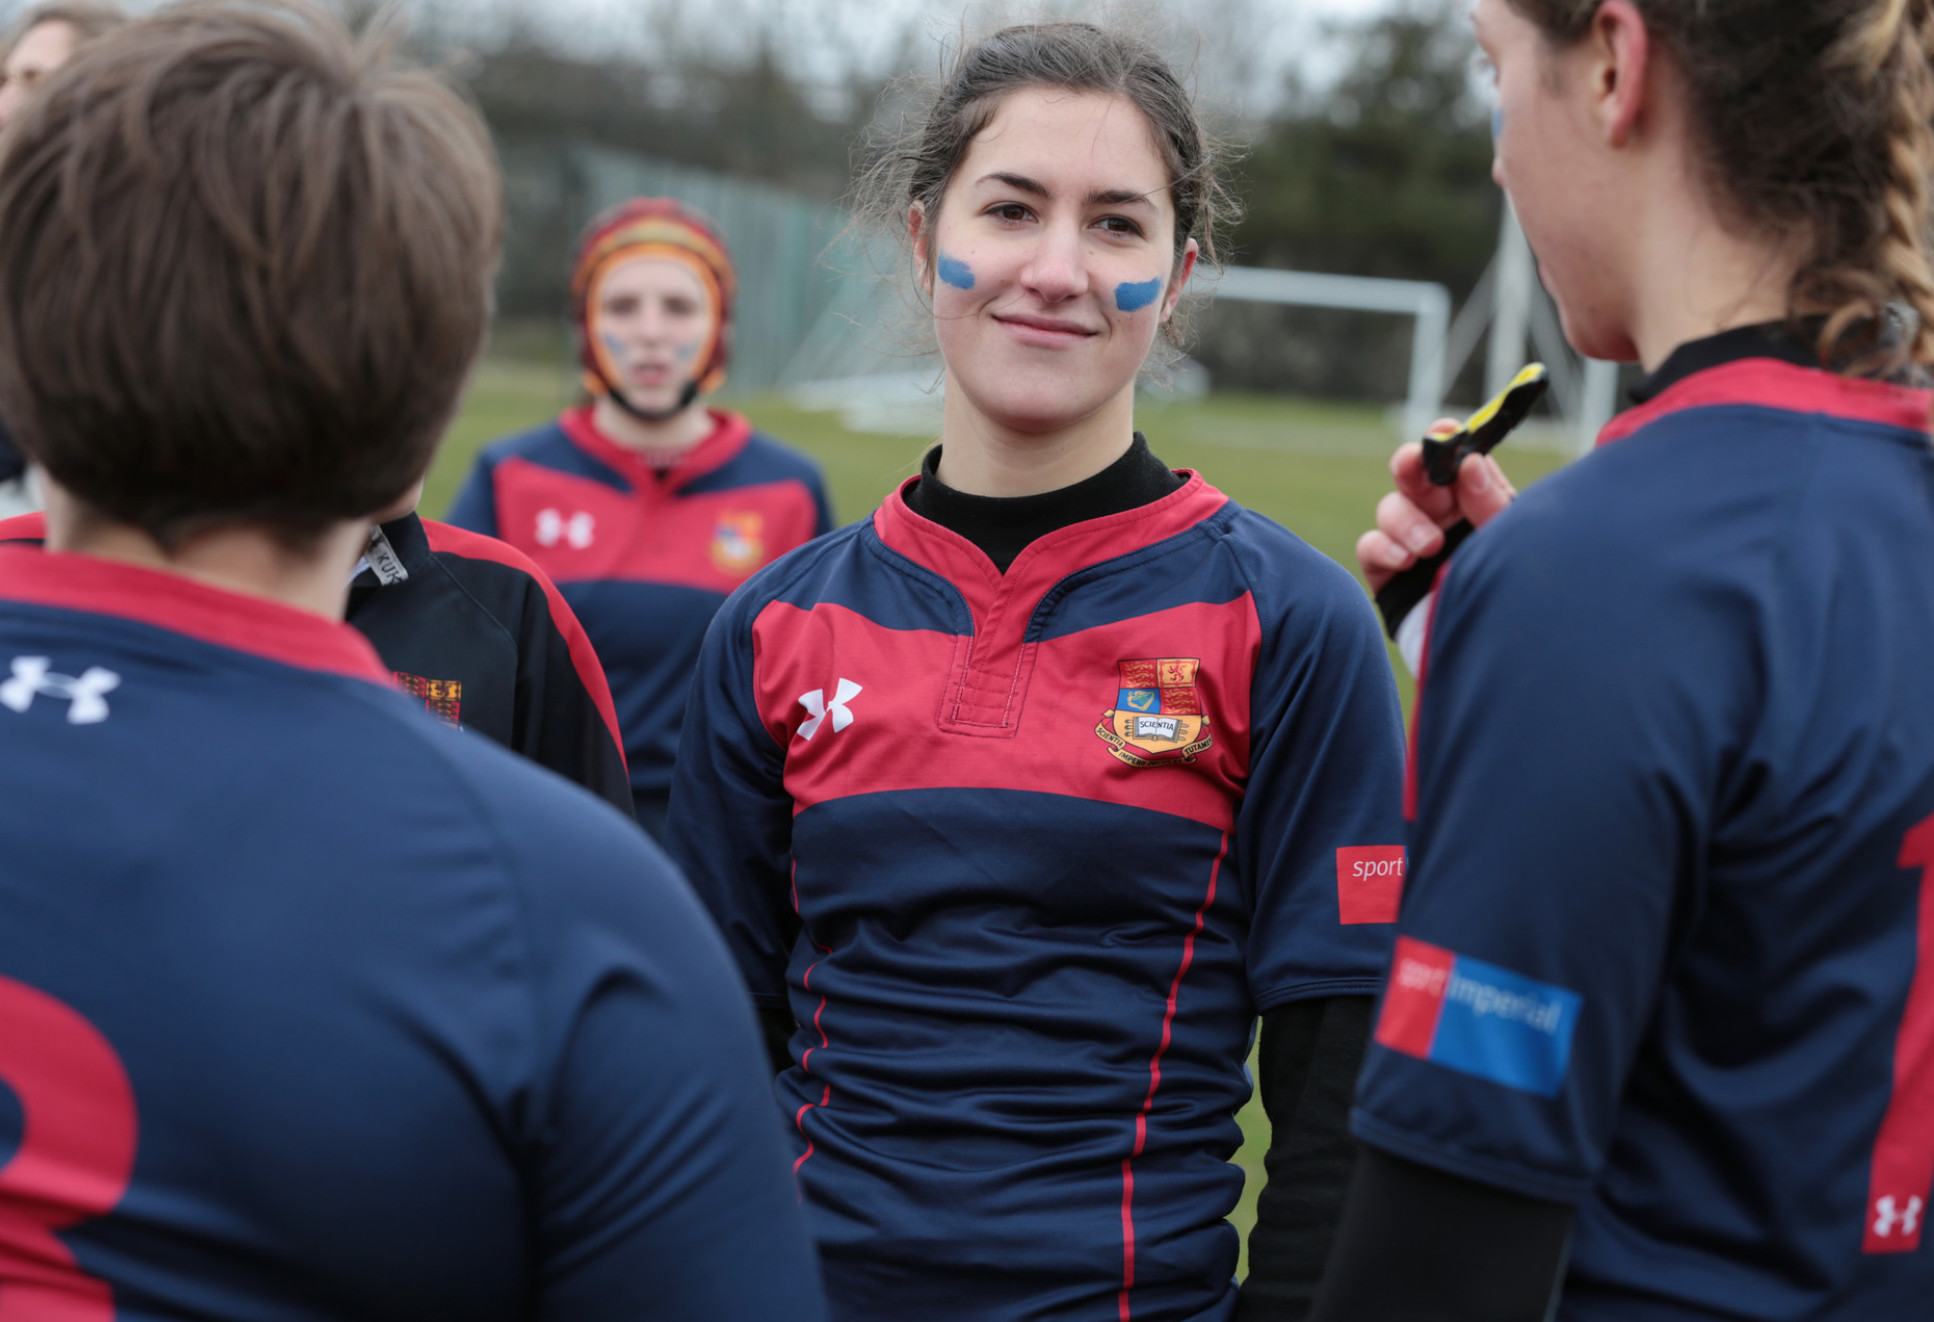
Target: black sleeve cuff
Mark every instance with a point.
(1421, 1245)
(1311, 1053)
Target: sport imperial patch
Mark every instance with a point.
(1157, 718)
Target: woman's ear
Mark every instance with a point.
(1183, 270)
(917, 236)
(1622, 55)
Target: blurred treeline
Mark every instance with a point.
(1373, 160)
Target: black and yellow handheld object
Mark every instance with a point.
(1447, 445)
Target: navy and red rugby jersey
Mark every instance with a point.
(1667, 949)
(645, 559)
(1026, 854)
(472, 629)
(311, 1007)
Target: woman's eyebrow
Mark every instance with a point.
(1105, 197)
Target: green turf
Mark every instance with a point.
(1317, 468)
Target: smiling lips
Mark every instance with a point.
(1048, 332)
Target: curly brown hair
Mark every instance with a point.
(1817, 120)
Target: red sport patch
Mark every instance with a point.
(1413, 1000)
(1369, 883)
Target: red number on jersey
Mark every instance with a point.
(1903, 1169)
(75, 1156)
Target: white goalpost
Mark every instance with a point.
(1429, 304)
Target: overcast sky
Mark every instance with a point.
(1289, 31)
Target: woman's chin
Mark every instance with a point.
(1037, 409)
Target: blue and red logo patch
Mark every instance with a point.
(1477, 1018)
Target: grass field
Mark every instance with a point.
(1316, 468)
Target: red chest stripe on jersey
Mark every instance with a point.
(1902, 1177)
(580, 530)
(1769, 383)
(76, 1154)
(860, 709)
(994, 675)
(475, 546)
(253, 625)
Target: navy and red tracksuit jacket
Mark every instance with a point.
(645, 557)
(474, 631)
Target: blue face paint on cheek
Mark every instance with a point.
(1497, 122)
(612, 345)
(955, 272)
(1133, 296)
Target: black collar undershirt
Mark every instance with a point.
(1771, 339)
(1003, 526)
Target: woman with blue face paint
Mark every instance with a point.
(1020, 801)
(646, 506)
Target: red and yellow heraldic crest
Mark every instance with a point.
(440, 697)
(1157, 718)
(738, 543)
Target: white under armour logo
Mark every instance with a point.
(86, 704)
(553, 527)
(1890, 1216)
(817, 710)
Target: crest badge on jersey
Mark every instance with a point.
(1157, 719)
(738, 543)
(442, 698)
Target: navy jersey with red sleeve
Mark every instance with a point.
(645, 558)
(1667, 951)
(313, 1008)
(472, 629)
(1025, 854)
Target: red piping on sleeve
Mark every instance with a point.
(1417, 695)
(799, 1117)
(447, 539)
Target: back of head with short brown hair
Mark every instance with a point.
(245, 265)
(88, 18)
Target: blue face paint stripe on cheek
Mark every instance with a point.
(955, 272)
(1133, 296)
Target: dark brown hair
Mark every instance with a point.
(917, 166)
(88, 18)
(1817, 121)
(245, 265)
